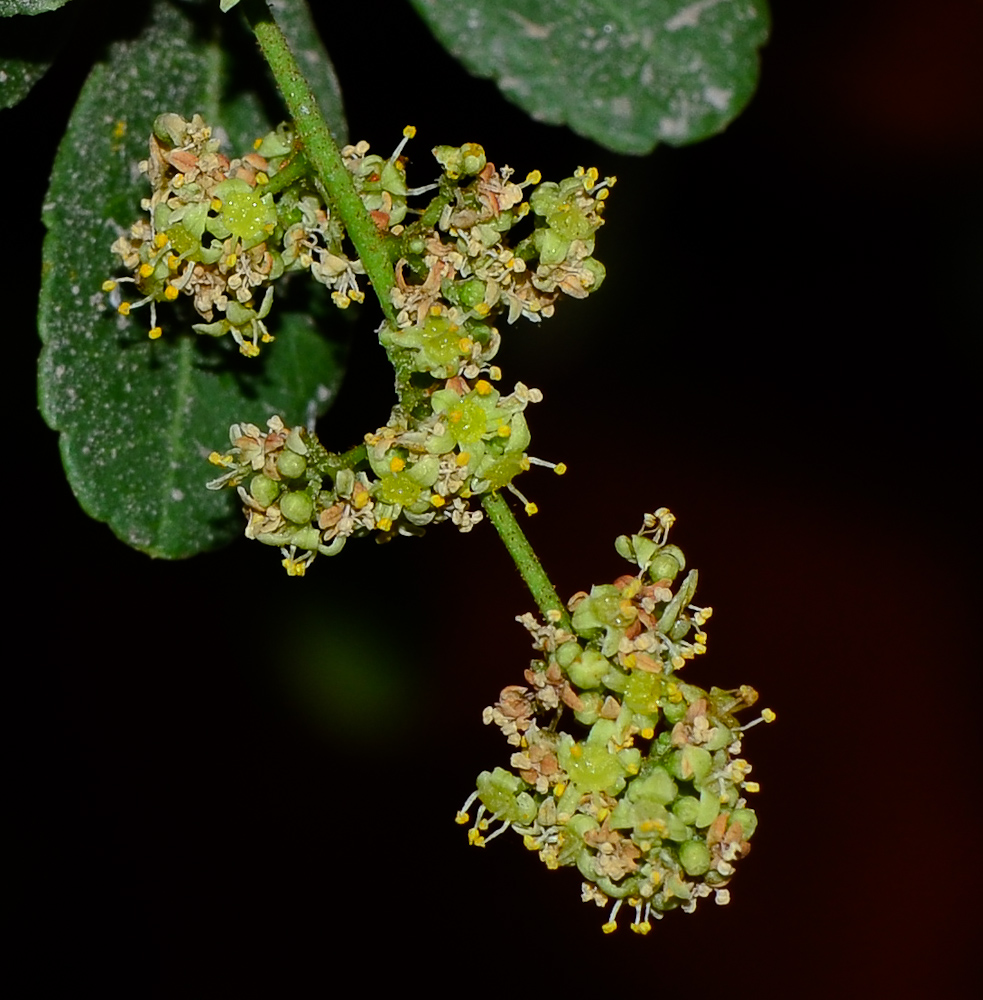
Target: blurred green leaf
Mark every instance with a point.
(27, 53)
(138, 417)
(627, 75)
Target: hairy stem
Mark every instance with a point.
(526, 560)
(324, 156)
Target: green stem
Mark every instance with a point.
(324, 156)
(526, 560)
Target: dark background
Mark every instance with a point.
(227, 782)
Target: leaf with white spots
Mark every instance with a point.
(26, 53)
(627, 75)
(10, 7)
(138, 417)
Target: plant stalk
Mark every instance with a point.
(526, 560)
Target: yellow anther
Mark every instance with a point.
(534, 177)
(643, 928)
(221, 460)
(461, 818)
(495, 373)
(230, 261)
(630, 661)
(609, 927)
(483, 387)
(462, 459)
(216, 204)
(701, 648)
(145, 270)
(530, 843)
(384, 523)
(171, 293)
(559, 789)
(361, 499)
(647, 733)
(602, 814)
(160, 240)
(435, 310)
(465, 344)
(437, 500)
(108, 286)
(396, 464)
(700, 637)
(602, 194)
(409, 131)
(482, 308)
(475, 838)
(677, 662)
(531, 508)
(262, 178)
(751, 786)
(267, 338)
(341, 300)
(178, 181)
(251, 350)
(155, 333)
(768, 715)
(257, 143)
(504, 431)
(560, 469)
(172, 262)
(356, 295)
(576, 751)
(123, 309)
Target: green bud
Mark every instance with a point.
(588, 669)
(567, 653)
(747, 819)
(709, 808)
(297, 507)
(664, 566)
(593, 702)
(264, 490)
(686, 807)
(290, 465)
(655, 786)
(694, 856)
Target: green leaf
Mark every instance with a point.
(9, 7)
(627, 75)
(138, 417)
(26, 53)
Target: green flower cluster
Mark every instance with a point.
(411, 473)
(454, 435)
(645, 794)
(222, 231)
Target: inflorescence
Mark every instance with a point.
(645, 794)
(223, 231)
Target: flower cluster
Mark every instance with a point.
(645, 794)
(221, 231)
(460, 436)
(306, 501)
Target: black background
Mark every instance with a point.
(227, 782)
